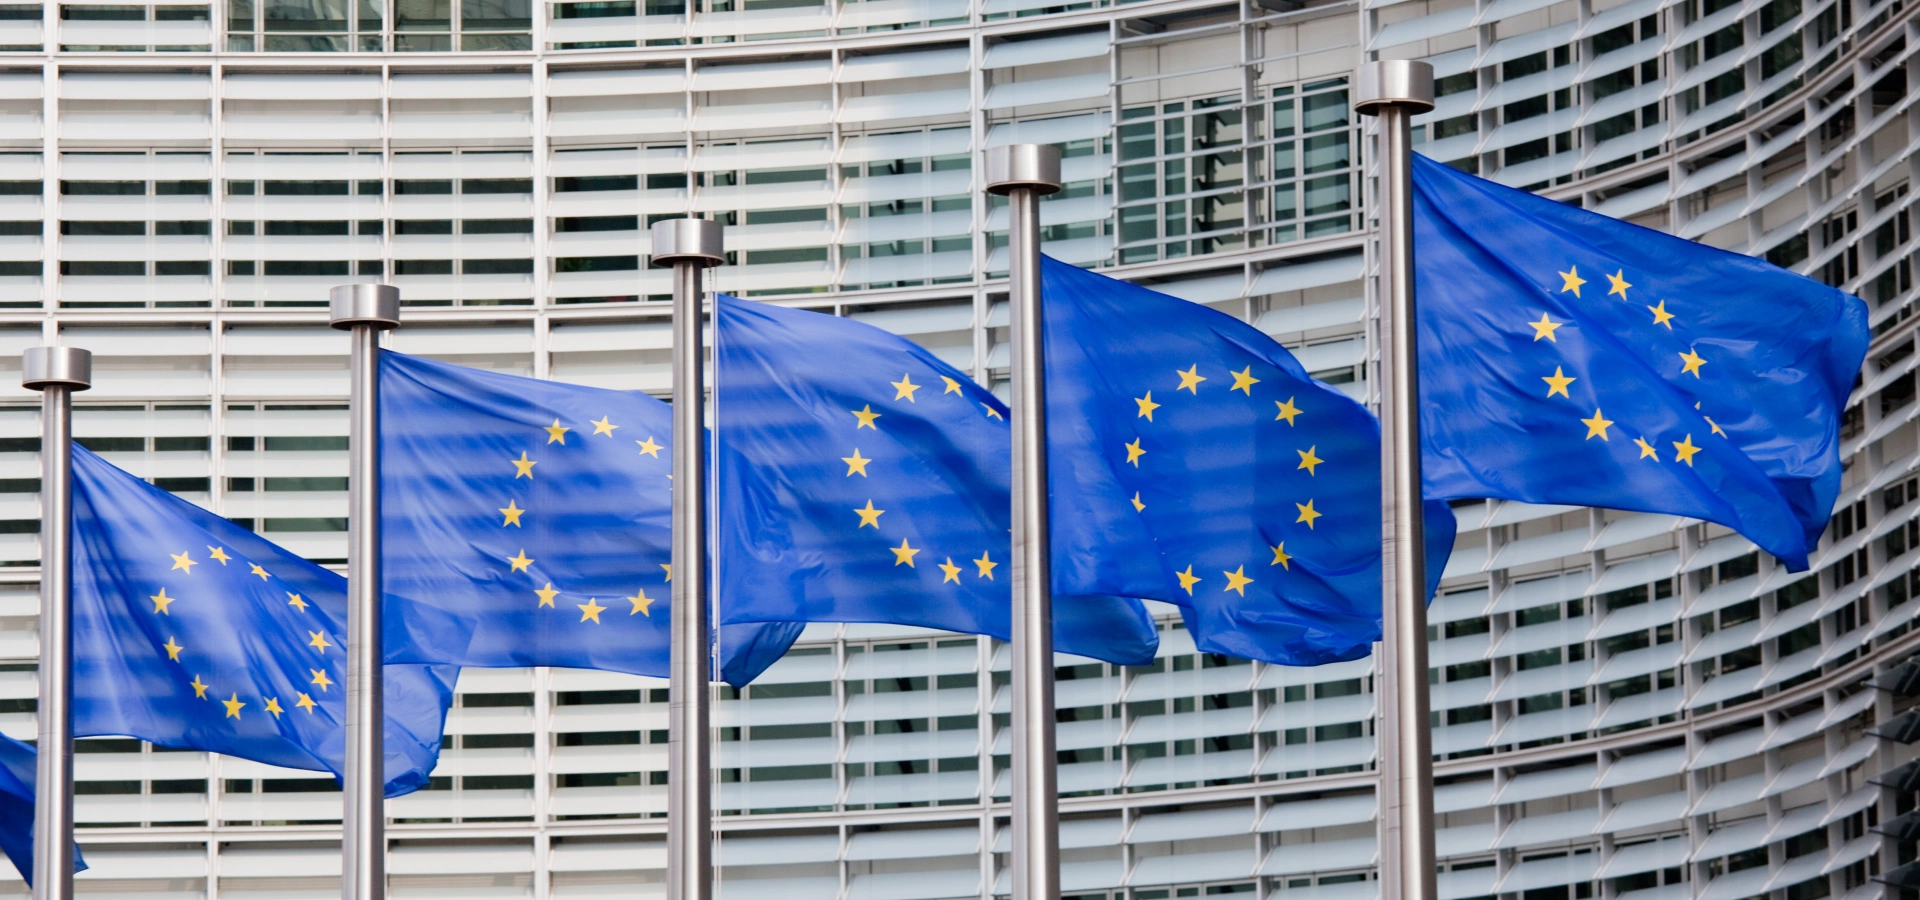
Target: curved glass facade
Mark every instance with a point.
(1626, 706)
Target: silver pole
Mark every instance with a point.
(689, 246)
(365, 310)
(56, 372)
(1023, 173)
(1396, 91)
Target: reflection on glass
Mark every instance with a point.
(423, 15)
(306, 15)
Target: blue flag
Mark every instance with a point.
(861, 479)
(1195, 462)
(194, 633)
(539, 513)
(17, 775)
(1566, 357)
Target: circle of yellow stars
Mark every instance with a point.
(1598, 425)
(162, 606)
(510, 517)
(1285, 411)
(906, 391)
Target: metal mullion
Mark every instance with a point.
(543, 187)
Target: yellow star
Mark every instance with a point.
(592, 610)
(1544, 328)
(1557, 383)
(320, 679)
(305, 702)
(669, 569)
(1308, 460)
(856, 462)
(199, 688)
(1619, 281)
(1661, 316)
(173, 649)
(1187, 580)
(1243, 381)
(1570, 280)
(273, 706)
(1683, 450)
(182, 561)
(650, 448)
(950, 572)
(557, 433)
(546, 594)
(991, 413)
(1715, 425)
(1190, 380)
(256, 570)
(642, 604)
(1237, 581)
(904, 388)
(1280, 556)
(866, 415)
(160, 602)
(903, 554)
(1596, 426)
(1646, 449)
(953, 387)
(219, 553)
(604, 425)
(1147, 406)
(523, 467)
(512, 512)
(1287, 410)
(318, 640)
(233, 706)
(1307, 513)
(1691, 362)
(294, 601)
(1137, 505)
(519, 562)
(869, 516)
(1134, 453)
(985, 565)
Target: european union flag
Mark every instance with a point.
(539, 513)
(1566, 357)
(861, 479)
(192, 632)
(17, 775)
(1194, 461)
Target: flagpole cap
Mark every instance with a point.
(696, 241)
(1405, 83)
(1032, 166)
(364, 304)
(45, 367)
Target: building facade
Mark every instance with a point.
(1626, 706)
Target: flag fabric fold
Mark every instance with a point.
(18, 772)
(192, 632)
(1194, 461)
(1567, 357)
(862, 479)
(539, 513)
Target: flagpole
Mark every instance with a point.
(1023, 173)
(364, 310)
(689, 246)
(1395, 91)
(56, 372)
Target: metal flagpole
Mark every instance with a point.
(1023, 173)
(56, 372)
(1396, 91)
(365, 310)
(689, 246)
